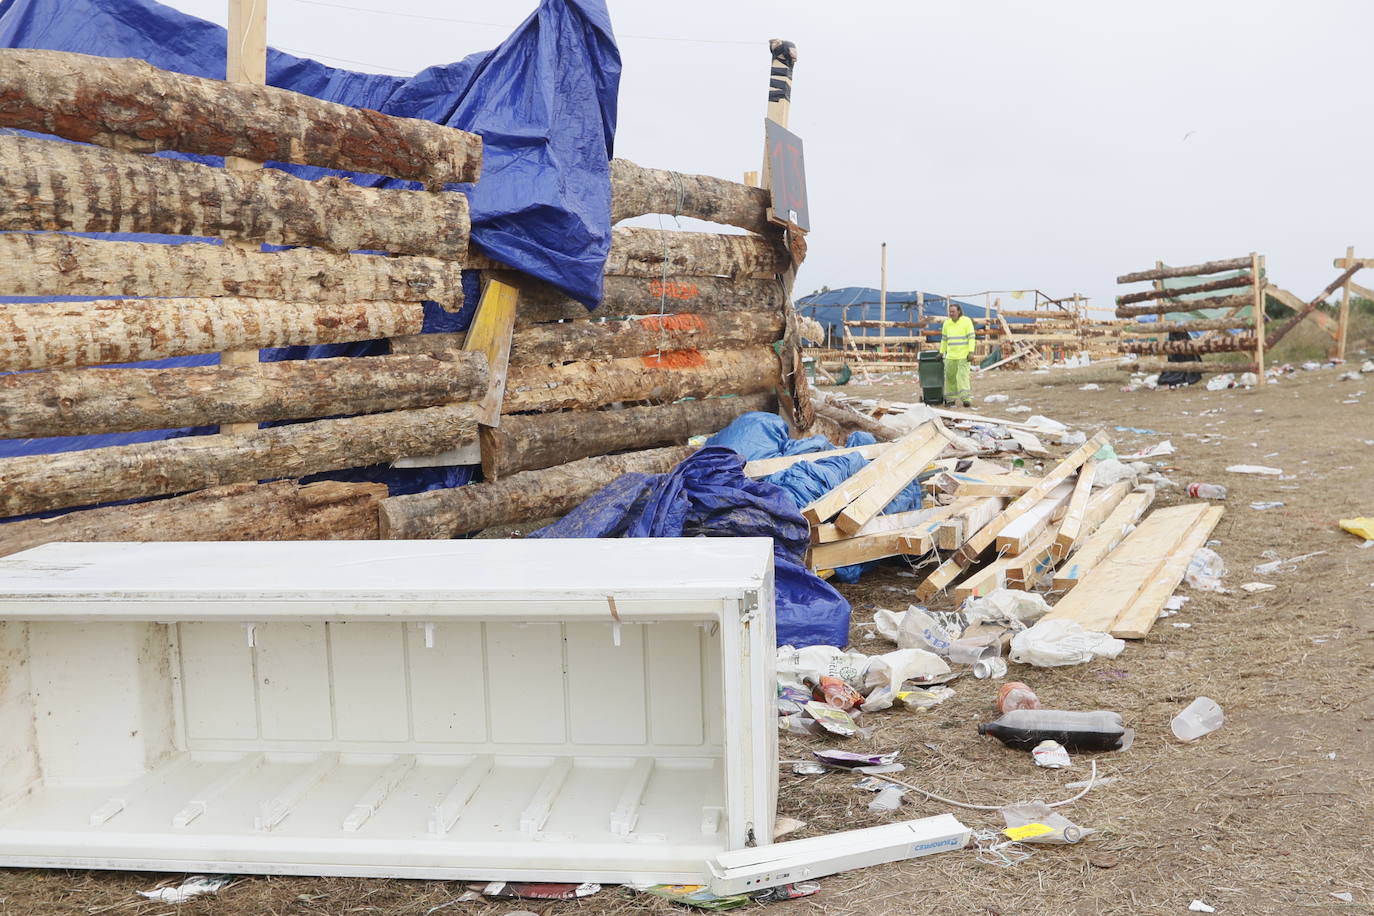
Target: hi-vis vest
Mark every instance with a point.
(956, 337)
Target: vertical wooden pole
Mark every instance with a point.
(920, 320)
(882, 303)
(1256, 265)
(245, 61)
(1344, 320)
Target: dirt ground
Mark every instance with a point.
(1272, 814)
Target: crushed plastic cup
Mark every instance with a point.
(1202, 717)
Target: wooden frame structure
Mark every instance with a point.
(554, 400)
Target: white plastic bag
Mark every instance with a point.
(1206, 569)
(1054, 643)
(893, 669)
(1006, 604)
(914, 628)
(793, 665)
(1220, 382)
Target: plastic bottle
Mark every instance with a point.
(1016, 695)
(833, 691)
(1023, 729)
(1202, 717)
(1207, 490)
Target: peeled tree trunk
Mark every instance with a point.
(528, 442)
(36, 483)
(283, 510)
(669, 376)
(519, 498)
(70, 402)
(62, 186)
(64, 265)
(655, 253)
(648, 296)
(43, 335)
(636, 191)
(131, 105)
(568, 341)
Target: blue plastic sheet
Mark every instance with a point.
(707, 495)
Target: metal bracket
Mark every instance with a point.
(749, 605)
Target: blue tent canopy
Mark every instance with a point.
(861, 303)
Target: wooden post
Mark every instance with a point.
(882, 304)
(1343, 323)
(245, 61)
(1256, 265)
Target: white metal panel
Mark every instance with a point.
(525, 683)
(447, 682)
(219, 697)
(369, 676)
(674, 688)
(606, 697)
(293, 681)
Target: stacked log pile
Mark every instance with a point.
(685, 340)
(1242, 287)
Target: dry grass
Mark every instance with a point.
(1254, 819)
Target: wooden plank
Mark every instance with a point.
(1020, 532)
(490, 333)
(1000, 485)
(950, 570)
(895, 476)
(827, 533)
(828, 505)
(1025, 570)
(1256, 265)
(1104, 539)
(964, 524)
(1343, 322)
(1273, 339)
(1136, 619)
(990, 421)
(762, 467)
(1113, 584)
(1030, 567)
(131, 105)
(1072, 525)
(912, 540)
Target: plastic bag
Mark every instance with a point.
(1054, 643)
(915, 628)
(815, 662)
(1220, 382)
(893, 669)
(1006, 604)
(1206, 569)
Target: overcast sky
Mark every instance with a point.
(992, 145)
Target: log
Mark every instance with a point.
(670, 376)
(1278, 333)
(1181, 291)
(1226, 343)
(64, 265)
(530, 442)
(280, 511)
(1192, 270)
(36, 483)
(1203, 366)
(133, 106)
(541, 302)
(637, 191)
(657, 253)
(70, 402)
(569, 341)
(1162, 328)
(62, 186)
(1164, 306)
(520, 497)
(41, 335)
(851, 420)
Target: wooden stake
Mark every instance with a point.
(1338, 352)
(1256, 263)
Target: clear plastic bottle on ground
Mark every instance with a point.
(1016, 695)
(833, 691)
(1207, 490)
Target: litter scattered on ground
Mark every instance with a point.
(928, 698)
(1197, 906)
(1255, 587)
(1206, 569)
(531, 890)
(1137, 430)
(1055, 643)
(1097, 730)
(189, 889)
(996, 399)
(1254, 469)
(1016, 695)
(1261, 506)
(1360, 527)
(1274, 565)
(1201, 717)
(1035, 822)
(1345, 896)
(1051, 754)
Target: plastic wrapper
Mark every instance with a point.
(1055, 643)
(1036, 822)
(1206, 569)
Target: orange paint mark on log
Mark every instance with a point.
(684, 322)
(674, 359)
(673, 289)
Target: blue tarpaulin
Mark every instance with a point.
(707, 495)
(544, 102)
(861, 303)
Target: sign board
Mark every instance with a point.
(786, 176)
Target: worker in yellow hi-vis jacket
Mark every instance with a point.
(956, 346)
